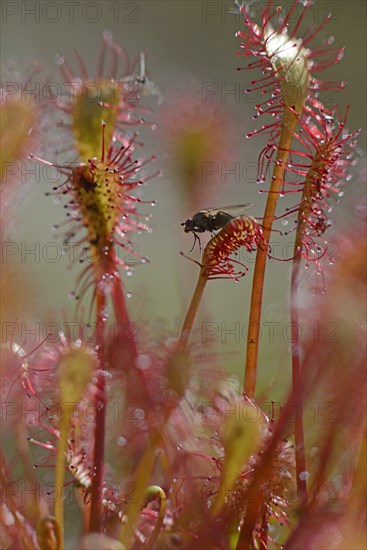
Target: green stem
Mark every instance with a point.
(155, 491)
(290, 121)
(141, 479)
(193, 309)
(60, 474)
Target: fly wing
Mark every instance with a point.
(233, 210)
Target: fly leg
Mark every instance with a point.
(196, 238)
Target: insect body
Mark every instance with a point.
(212, 219)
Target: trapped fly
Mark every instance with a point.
(212, 219)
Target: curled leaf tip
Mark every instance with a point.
(242, 232)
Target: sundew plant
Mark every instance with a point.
(126, 434)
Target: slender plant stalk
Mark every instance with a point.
(161, 514)
(60, 474)
(122, 317)
(194, 306)
(297, 381)
(96, 514)
(290, 122)
(96, 511)
(141, 481)
(303, 214)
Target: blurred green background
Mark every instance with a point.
(184, 41)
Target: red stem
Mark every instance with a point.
(303, 214)
(297, 381)
(118, 298)
(96, 512)
(122, 318)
